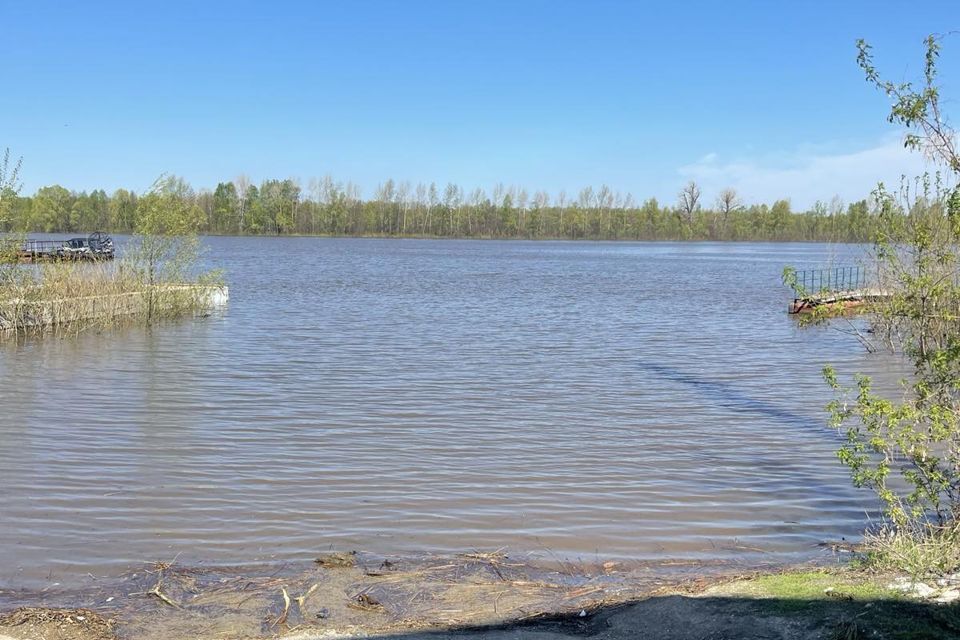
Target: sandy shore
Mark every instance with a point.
(491, 596)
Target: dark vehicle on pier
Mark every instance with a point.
(96, 246)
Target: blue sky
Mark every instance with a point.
(762, 96)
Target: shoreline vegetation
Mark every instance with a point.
(71, 297)
(904, 583)
(331, 208)
(906, 450)
(489, 595)
(157, 277)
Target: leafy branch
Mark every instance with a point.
(917, 107)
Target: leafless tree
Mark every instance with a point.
(836, 206)
(727, 202)
(522, 199)
(499, 192)
(403, 197)
(541, 200)
(689, 198)
(584, 201)
(384, 196)
(419, 203)
(242, 184)
(452, 197)
(562, 205)
(604, 201)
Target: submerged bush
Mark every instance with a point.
(157, 276)
(165, 247)
(75, 296)
(908, 451)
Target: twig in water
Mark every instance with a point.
(163, 598)
(301, 599)
(286, 608)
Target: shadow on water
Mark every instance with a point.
(727, 396)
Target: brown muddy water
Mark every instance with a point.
(576, 401)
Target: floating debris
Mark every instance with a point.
(337, 559)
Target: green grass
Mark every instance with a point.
(852, 604)
(813, 584)
(786, 592)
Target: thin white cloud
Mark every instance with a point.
(804, 176)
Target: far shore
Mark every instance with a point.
(478, 238)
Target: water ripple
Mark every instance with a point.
(643, 401)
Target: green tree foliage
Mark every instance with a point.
(329, 207)
(917, 108)
(165, 245)
(226, 205)
(278, 206)
(9, 185)
(121, 210)
(908, 451)
(51, 209)
(9, 199)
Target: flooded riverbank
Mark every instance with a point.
(585, 401)
(488, 596)
(343, 594)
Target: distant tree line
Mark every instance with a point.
(329, 207)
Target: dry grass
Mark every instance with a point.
(65, 624)
(923, 550)
(73, 296)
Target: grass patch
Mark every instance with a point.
(818, 585)
(922, 551)
(800, 591)
(852, 604)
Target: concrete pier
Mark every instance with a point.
(162, 300)
(841, 300)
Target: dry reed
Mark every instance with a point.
(923, 550)
(75, 296)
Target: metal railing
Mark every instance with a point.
(96, 246)
(44, 247)
(838, 279)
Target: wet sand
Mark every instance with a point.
(339, 594)
(482, 597)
